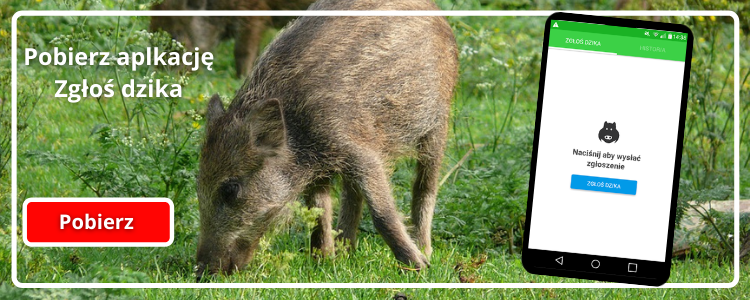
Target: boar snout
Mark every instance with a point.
(212, 259)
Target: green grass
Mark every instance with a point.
(698, 272)
(285, 260)
(481, 207)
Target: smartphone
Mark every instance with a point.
(607, 148)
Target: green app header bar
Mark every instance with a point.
(618, 40)
(645, 33)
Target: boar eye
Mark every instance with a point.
(229, 189)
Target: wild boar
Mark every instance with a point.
(206, 32)
(330, 96)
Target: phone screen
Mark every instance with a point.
(607, 149)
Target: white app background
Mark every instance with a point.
(582, 91)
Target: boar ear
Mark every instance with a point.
(268, 128)
(614, 125)
(215, 108)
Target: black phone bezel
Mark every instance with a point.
(531, 256)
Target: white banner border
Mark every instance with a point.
(538, 13)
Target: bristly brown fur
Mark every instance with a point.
(330, 96)
(206, 32)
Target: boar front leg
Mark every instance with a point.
(319, 195)
(350, 214)
(370, 176)
(247, 43)
(424, 192)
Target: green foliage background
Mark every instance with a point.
(148, 147)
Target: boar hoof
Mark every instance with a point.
(416, 263)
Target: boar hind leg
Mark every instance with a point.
(350, 214)
(372, 182)
(424, 192)
(247, 42)
(319, 195)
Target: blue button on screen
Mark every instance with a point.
(603, 184)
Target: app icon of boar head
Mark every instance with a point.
(609, 133)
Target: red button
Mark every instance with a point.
(98, 222)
